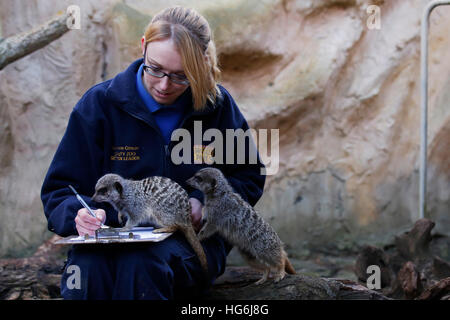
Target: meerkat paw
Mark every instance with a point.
(124, 229)
(264, 277)
(280, 276)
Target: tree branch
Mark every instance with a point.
(18, 46)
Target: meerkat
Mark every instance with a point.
(157, 200)
(238, 222)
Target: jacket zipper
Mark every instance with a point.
(166, 147)
(161, 138)
(167, 157)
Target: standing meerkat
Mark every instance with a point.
(233, 218)
(157, 200)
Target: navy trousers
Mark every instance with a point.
(150, 270)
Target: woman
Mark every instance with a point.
(124, 126)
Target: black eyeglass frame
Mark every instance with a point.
(175, 78)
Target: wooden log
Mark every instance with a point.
(36, 277)
(415, 244)
(409, 280)
(18, 46)
(237, 283)
(441, 268)
(411, 265)
(370, 256)
(439, 291)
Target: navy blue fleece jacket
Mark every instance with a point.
(110, 130)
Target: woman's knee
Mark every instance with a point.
(87, 274)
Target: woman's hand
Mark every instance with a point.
(87, 224)
(196, 213)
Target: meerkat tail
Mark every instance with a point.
(288, 266)
(165, 229)
(192, 238)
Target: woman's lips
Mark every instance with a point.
(161, 94)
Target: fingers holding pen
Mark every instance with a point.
(87, 224)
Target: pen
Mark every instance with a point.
(85, 205)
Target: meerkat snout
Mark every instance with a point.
(203, 181)
(108, 188)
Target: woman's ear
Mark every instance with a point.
(143, 44)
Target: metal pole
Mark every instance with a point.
(424, 103)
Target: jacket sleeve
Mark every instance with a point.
(247, 179)
(197, 194)
(78, 162)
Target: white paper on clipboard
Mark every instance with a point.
(137, 234)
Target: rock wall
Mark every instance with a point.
(346, 101)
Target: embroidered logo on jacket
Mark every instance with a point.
(125, 153)
(203, 154)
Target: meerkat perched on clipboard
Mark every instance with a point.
(157, 200)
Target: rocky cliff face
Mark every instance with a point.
(345, 98)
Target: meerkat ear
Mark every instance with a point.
(213, 184)
(118, 187)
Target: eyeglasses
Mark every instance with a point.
(156, 72)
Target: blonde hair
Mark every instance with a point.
(192, 36)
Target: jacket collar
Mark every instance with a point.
(122, 91)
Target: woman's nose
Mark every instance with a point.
(165, 83)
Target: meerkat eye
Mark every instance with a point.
(198, 179)
(102, 191)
